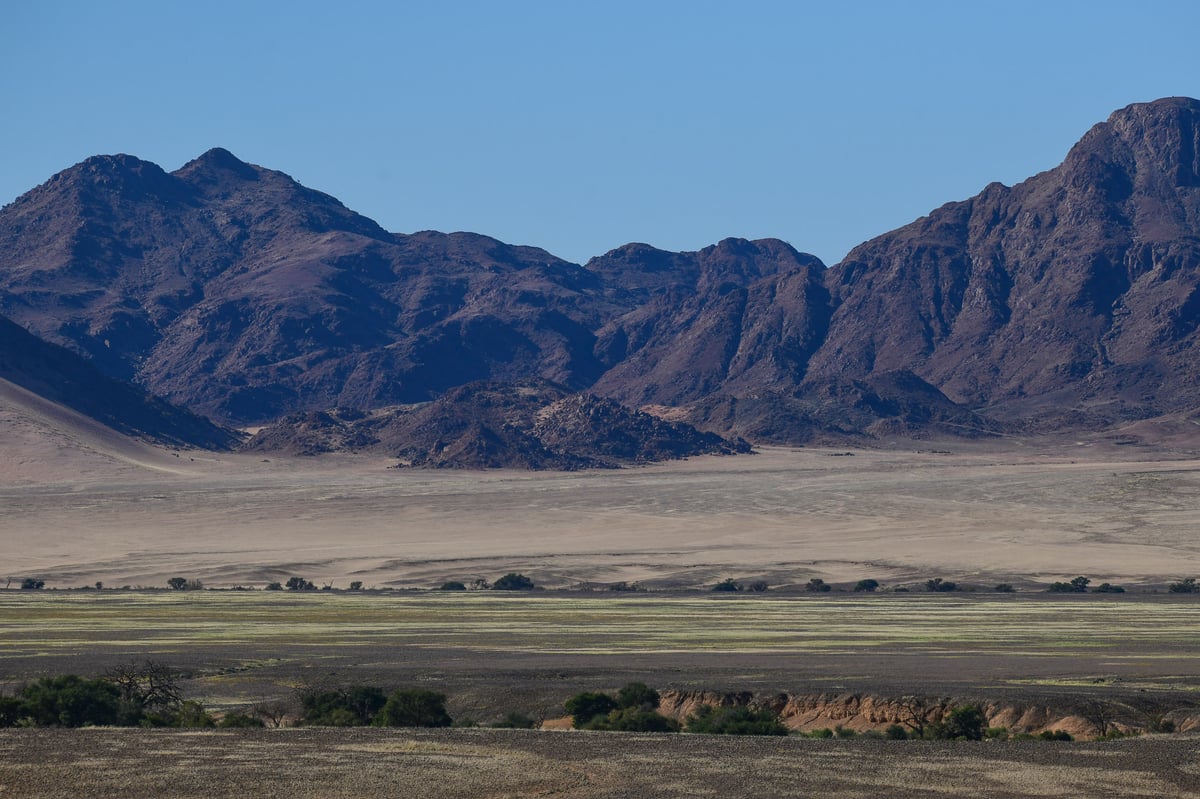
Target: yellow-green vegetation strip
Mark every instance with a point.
(50, 623)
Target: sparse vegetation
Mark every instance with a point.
(1185, 586)
(1004, 588)
(728, 585)
(1076, 586)
(1108, 588)
(937, 585)
(817, 586)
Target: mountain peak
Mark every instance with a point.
(216, 161)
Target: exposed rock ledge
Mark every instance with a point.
(860, 712)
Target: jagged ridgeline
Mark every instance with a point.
(1069, 301)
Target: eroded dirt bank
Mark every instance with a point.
(1082, 718)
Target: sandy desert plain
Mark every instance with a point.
(93, 508)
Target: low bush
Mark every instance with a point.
(728, 585)
(818, 586)
(413, 707)
(513, 582)
(740, 720)
(868, 585)
(1185, 586)
(1076, 586)
(515, 721)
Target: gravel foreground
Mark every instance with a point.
(300, 763)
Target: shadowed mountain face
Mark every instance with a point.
(61, 376)
(1072, 297)
(1070, 300)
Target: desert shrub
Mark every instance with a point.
(71, 701)
(866, 585)
(1185, 586)
(1076, 586)
(1004, 588)
(728, 585)
(823, 732)
(817, 586)
(414, 707)
(237, 720)
(1056, 735)
(638, 695)
(586, 706)
(996, 733)
(758, 586)
(355, 706)
(872, 735)
(515, 721)
(625, 586)
(32, 584)
(963, 723)
(452, 585)
(938, 585)
(633, 719)
(844, 732)
(189, 714)
(11, 711)
(513, 582)
(1108, 588)
(895, 732)
(739, 720)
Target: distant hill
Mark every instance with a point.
(1070, 301)
(493, 425)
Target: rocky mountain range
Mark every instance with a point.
(1069, 301)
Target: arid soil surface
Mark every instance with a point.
(512, 763)
(1023, 515)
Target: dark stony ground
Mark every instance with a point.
(300, 763)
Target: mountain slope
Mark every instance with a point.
(1075, 291)
(63, 378)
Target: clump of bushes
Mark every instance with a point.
(867, 585)
(937, 585)
(739, 720)
(365, 705)
(632, 710)
(728, 585)
(128, 696)
(1185, 586)
(818, 586)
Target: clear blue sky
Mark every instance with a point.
(582, 126)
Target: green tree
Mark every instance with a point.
(414, 707)
(71, 701)
(452, 585)
(32, 584)
(1185, 586)
(513, 582)
(938, 585)
(355, 706)
(588, 705)
(866, 585)
(963, 723)
(816, 585)
(299, 584)
(638, 695)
